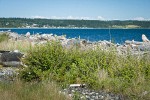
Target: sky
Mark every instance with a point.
(77, 9)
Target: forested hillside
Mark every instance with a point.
(61, 23)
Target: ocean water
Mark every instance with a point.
(116, 35)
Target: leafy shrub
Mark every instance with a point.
(42, 60)
(53, 61)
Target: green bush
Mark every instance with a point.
(125, 74)
(54, 62)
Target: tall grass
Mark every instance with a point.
(21, 45)
(128, 75)
(30, 91)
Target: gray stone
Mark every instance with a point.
(11, 59)
(12, 63)
(70, 95)
(73, 91)
(1, 52)
(93, 97)
(11, 56)
(82, 97)
(96, 97)
(101, 97)
(116, 98)
(87, 96)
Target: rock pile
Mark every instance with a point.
(82, 92)
(7, 74)
(10, 60)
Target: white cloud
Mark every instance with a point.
(75, 17)
(100, 18)
(140, 19)
(42, 17)
(86, 18)
(71, 17)
(62, 17)
(56, 17)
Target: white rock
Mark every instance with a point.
(144, 38)
(27, 34)
(16, 50)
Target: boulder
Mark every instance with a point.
(11, 59)
(1, 52)
(144, 47)
(27, 34)
(45, 36)
(144, 38)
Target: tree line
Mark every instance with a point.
(23, 22)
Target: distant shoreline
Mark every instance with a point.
(72, 24)
(75, 28)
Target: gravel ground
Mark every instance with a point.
(83, 93)
(7, 74)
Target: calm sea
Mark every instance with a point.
(116, 35)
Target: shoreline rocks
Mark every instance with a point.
(134, 47)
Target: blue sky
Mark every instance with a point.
(77, 9)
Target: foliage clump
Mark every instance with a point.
(54, 62)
